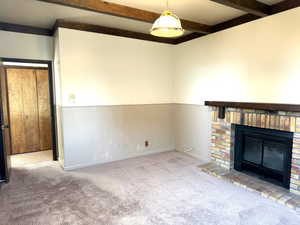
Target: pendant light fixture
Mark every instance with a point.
(168, 25)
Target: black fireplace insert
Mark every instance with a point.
(264, 153)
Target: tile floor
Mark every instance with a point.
(31, 158)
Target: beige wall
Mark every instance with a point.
(25, 46)
(100, 69)
(99, 134)
(258, 62)
(114, 94)
(192, 130)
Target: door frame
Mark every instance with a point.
(4, 156)
(52, 97)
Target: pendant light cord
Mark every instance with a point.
(167, 4)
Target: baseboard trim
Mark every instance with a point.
(61, 163)
(80, 166)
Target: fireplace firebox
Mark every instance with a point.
(264, 153)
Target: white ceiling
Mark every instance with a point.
(40, 14)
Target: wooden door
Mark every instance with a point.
(30, 109)
(29, 130)
(42, 78)
(16, 111)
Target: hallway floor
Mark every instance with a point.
(159, 189)
(31, 158)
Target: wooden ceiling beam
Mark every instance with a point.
(250, 6)
(110, 31)
(25, 29)
(126, 12)
(285, 5)
(234, 22)
(187, 37)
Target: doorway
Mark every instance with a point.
(31, 111)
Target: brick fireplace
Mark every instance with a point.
(223, 135)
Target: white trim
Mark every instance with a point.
(25, 64)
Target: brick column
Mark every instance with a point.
(295, 172)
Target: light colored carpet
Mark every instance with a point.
(31, 158)
(161, 189)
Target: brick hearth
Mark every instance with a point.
(267, 190)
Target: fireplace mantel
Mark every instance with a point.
(272, 107)
(257, 106)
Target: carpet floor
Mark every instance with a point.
(160, 189)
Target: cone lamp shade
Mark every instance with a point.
(168, 25)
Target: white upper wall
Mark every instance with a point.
(98, 69)
(257, 62)
(25, 46)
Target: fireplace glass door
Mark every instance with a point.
(253, 150)
(264, 153)
(274, 154)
